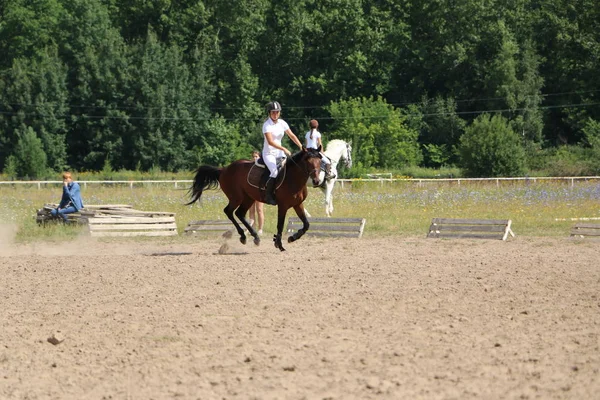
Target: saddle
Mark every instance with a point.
(259, 173)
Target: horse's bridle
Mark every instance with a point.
(306, 171)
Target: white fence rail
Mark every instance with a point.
(420, 182)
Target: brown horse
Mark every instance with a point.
(234, 181)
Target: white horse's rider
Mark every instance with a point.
(273, 130)
(313, 141)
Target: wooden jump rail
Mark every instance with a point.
(470, 228)
(103, 226)
(330, 227)
(586, 230)
(208, 226)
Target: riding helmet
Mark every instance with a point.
(273, 106)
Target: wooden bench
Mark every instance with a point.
(209, 226)
(330, 227)
(586, 230)
(470, 228)
(102, 226)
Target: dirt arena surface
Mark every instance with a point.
(386, 318)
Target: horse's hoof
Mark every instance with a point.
(243, 240)
(277, 242)
(257, 241)
(291, 239)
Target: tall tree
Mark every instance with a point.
(29, 156)
(379, 133)
(168, 108)
(567, 35)
(97, 82)
(27, 28)
(238, 25)
(34, 94)
(440, 131)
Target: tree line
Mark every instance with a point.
(496, 88)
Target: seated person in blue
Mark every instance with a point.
(71, 198)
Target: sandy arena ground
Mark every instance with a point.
(389, 318)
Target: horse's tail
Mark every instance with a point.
(206, 177)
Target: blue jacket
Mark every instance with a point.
(71, 196)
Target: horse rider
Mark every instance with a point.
(313, 141)
(273, 130)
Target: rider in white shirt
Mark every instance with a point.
(273, 130)
(313, 141)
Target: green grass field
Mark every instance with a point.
(391, 208)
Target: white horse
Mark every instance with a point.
(336, 149)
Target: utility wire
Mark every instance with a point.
(125, 117)
(141, 108)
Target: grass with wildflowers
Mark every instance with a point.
(391, 208)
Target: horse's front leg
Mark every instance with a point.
(281, 211)
(305, 225)
(329, 198)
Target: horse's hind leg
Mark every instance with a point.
(305, 225)
(241, 214)
(229, 212)
(281, 211)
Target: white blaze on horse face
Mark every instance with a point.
(315, 179)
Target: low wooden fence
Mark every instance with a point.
(183, 184)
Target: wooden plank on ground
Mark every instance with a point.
(585, 229)
(208, 226)
(130, 220)
(472, 228)
(462, 228)
(121, 211)
(132, 226)
(330, 227)
(105, 206)
(132, 234)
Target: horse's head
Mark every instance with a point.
(347, 156)
(311, 158)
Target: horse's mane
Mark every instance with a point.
(297, 157)
(334, 143)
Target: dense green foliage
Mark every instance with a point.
(491, 148)
(137, 85)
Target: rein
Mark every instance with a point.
(306, 171)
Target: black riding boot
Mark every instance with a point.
(270, 192)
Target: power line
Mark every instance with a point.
(191, 108)
(126, 117)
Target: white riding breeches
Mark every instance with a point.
(271, 163)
